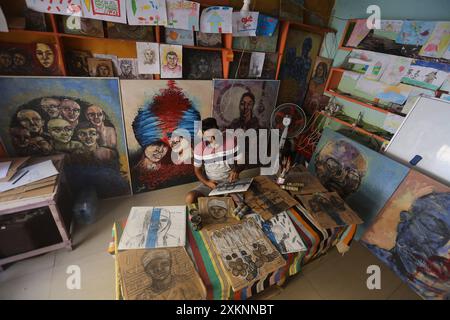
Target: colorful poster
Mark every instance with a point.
(256, 64)
(397, 69)
(390, 29)
(148, 57)
(360, 31)
(411, 235)
(415, 32)
(147, 12)
(428, 75)
(171, 60)
(179, 36)
(182, 14)
(108, 10)
(266, 25)
(81, 118)
(217, 20)
(438, 42)
(245, 23)
(64, 7)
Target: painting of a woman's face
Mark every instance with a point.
(45, 55)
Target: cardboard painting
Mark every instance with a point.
(281, 232)
(428, 75)
(299, 58)
(152, 111)
(113, 58)
(411, 235)
(360, 31)
(77, 63)
(266, 44)
(256, 64)
(182, 14)
(390, 29)
(64, 7)
(315, 100)
(100, 67)
(148, 57)
(415, 32)
(292, 10)
(310, 184)
(128, 68)
(147, 12)
(329, 210)
(179, 36)
(217, 20)
(154, 227)
(245, 23)
(245, 253)
(258, 98)
(125, 31)
(159, 274)
(202, 64)
(216, 210)
(171, 60)
(82, 26)
(267, 199)
(107, 10)
(438, 42)
(267, 25)
(208, 39)
(362, 177)
(81, 118)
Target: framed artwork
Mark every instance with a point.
(153, 110)
(16, 59)
(208, 39)
(148, 57)
(202, 64)
(100, 67)
(77, 62)
(171, 59)
(83, 26)
(244, 103)
(299, 58)
(113, 58)
(179, 36)
(411, 235)
(147, 12)
(365, 179)
(125, 31)
(108, 10)
(315, 100)
(182, 14)
(266, 44)
(81, 118)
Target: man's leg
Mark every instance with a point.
(200, 191)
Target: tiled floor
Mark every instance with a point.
(331, 277)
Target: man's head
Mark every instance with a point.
(149, 56)
(246, 105)
(51, 106)
(5, 60)
(70, 110)
(45, 55)
(95, 115)
(19, 59)
(155, 152)
(87, 134)
(340, 167)
(20, 137)
(203, 65)
(157, 264)
(127, 67)
(60, 130)
(103, 70)
(210, 130)
(172, 59)
(30, 120)
(217, 209)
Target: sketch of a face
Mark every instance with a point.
(156, 152)
(149, 56)
(19, 59)
(30, 120)
(103, 70)
(172, 60)
(246, 106)
(203, 65)
(45, 55)
(70, 110)
(51, 107)
(217, 209)
(95, 115)
(158, 266)
(88, 136)
(60, 130)
(5, 60)
(127, 67)
(20, 137)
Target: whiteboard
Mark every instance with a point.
(425, 132)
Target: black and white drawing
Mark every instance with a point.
(148, 57)
(240, 185)
(128, 69)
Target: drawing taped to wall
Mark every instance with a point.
(180, 36)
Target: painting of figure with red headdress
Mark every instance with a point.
(160, 121)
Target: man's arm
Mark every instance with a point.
(203, 179)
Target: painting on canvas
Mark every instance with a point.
(292, 10)
(411, 235)
(77, 64)
(81, 118)
(113, 58)
(315, 100)
(147, 12)
(83, 26)
(152, 111)
(108, 10)
(202, 64)
(171, 60)
(182, 14)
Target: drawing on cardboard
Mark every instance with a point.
(216, 210)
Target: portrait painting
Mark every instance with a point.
(81, 118)
(83, 26)
(411, 235)
(154, 227)
(297, 65)
(315, 100)
(100, 67)
(46, 60)
(148, 57)
(216, 210)
(171, 59)
(266, 44)
(208, 39)
(125, 31)
(159, 274)
(202, 64)
(114, 60)
(16, 59)
(128, 69)
(244, 103)
(77, 62)
(153, 110)
(364, 178)
(240, 66)
(179, 36)
(35, 20)
(245, 253)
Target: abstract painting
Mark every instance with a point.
(216, 210)
(100, 67)
(125, 31)
(412, 234)
(259, 43)
(179, 36)
(245, 253)
(292, 10)
(202, 64)
(108, 10)
(365, 179)
(244, 103)
(315, 100)
(147, 12)
(83, 26)
(154, 227)
(182, 14)
(297, 65)
(281, 232)
(152, 111)
(81, 118)
(245, 23)
(159, 274)
(208, 39)
(171, 60)
(217, 20)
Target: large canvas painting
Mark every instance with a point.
(299, 58)
(412, 235)
(152, 111)
(364, 178)
(81, 118)
(244, 104)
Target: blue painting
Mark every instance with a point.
(266, 25)
(364, 178)
(412, 235)
(415, 32)
(79, 117)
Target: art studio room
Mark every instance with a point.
(252, 151)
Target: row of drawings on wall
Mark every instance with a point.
(405, 213)
(112, 147)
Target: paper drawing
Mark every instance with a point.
(171, 59)
(147, 12)
(397, 69)
(438, 42)
(179, 36)
(217, 20)
(108, 10)
(389, 29)
(256, 64)
(64, 7)
(359, 32)
(245, 23)
(148, 57)
(216, 210)
(415, 32)
(182, 14)
(428, 75)
(154, 227)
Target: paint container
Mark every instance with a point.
(289, 188)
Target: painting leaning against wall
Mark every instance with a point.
(81, 118)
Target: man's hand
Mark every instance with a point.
(212, 184)
(234, 175)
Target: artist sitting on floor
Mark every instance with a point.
(212, 163)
